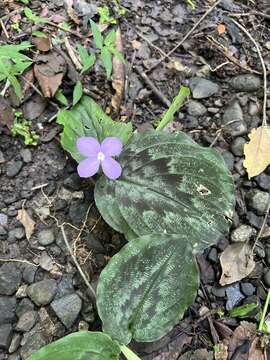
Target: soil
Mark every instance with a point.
(42, 179)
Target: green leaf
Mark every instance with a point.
(107, 61)
(146, 288)
(61, 97)
(176, 104)
(83, 345)
(98, 38)
(39, 34)
(32, 17)
(87, 60)
(77, 92)
(16, 85)
(118, 54)
(243, 310)
(88, 119)
(169, 184)
(110, 39)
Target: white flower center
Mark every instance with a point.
(101, 156)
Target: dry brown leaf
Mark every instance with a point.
(42, 43)
(118, 77)
(49, 71)
(28, 223)
(236, 263)
(257, 151)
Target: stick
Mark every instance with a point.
(4, 28)
(72, 55)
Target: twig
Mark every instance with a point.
(153, 87)
(19, 261)
(72, 55)
(4, 28)
(92, 291)
(264, 122)
(188, 33)
(253, 12)
(7, 84)
(151, 44)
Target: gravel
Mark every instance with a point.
(202, 88)
(247, 82)
(67, 309)
(13, 168)
(46, 237)
(243, 233)
(258, 201)
(10, 278)
(42, 292)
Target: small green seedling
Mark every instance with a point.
(87, 60)
(22, 127)
(243, 310)
(191, 4)
(106, 46)
(104, 15)
(33, 17)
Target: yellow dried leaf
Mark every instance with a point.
(28, 223)
(257, 151)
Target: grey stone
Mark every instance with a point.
(2, 158)
(219, 291)
(258, 201)
(24, 306)
(67, 309)
(213, 255)
(45, 261)
(94, 245)
(29, 272)
(3, 220)
(16, 234)
(10, 278)
(266, 278)
(263, 181)
(246, 82)
(243, 233)
(247, 288)
(65, 287)
(46, 237)
(26, 321)
(237, 146)
(234, 296)
(42, 292)
(73, 182)
(234, 120)
(259, 250)
(77, 211)
(33, 341)
(202, 88)
(229, 159)
(15, 343)
(195, 108)
(255, 220)
(5, 336)
(26, 155)
(13, 168)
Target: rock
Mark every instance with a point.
(2, 158)
(263, 181)
(234, 296)
(259, 250)
(47, 323)
(3, 220)
(46, 237)
(26, 155)
(77, 211)
(228, 158)
(237, 146)
(45, 261)
(202, 88)
(88, 312)
(243, 233)
(219, 291)
(94, 245)
(199, 354)
(213, 255)
(15, 343)
(65, 287)
(246, 82)
(33, 341)
(10, 278)
(7, 309)
(258, 201)
(42, 292)
(29, 273)
(73, 182)
(16, 234)
(195, 108)
(22, 291)
(26, 321)
(255, 220)
(267, 254)
(24, 306)
(247, 289)
(13, 168)
(234, 120)
(5, 336)
(266, 278)
(67, 309)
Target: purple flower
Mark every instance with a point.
(99, 154)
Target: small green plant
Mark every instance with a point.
(33, 17)
(104, 16)
(191, 4)
(106, 46)
(22, 127)
(13, 63)
(87, 60)
(16, 26)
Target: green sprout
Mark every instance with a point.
(22, 127)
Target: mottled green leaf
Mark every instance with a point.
(145, 288)
(110, 38)
(87, 60)
(83, 345)
(61, 97)
(98, 38)
(77, 93)
(88, 119)
(169, 184)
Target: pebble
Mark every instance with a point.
(263, 181)
(22, 291)
(7, 309)
(237, 146)
(266, 278)
(255, 220)
(24, 306)
(258, 201)
(253, 108)
(243, 233)
(15, 343)
(67, 309)
(27, 321)
(234, 296)
(45, 261)
(29, 273)
(195, 108)
(213, 255)
(73, 182)
(26, 155)
(2, 158)
(16, 234)
(233, 112)
(247, 289)
(94, 245)
(5, 336)
(65, 287)
(3, 220)
(42, 292)
(219, 291)
(77, 211)
(246, 82)
(10, 278)
(46, 237)
(229, 159)
(13, 168)
(33, 341)
(202, 88)
(259, 250)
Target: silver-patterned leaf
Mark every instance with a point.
(169, 184)
(145, 289)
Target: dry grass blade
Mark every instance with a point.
(27, 221)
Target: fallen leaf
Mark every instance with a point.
(6, 114)
(42, 43)
(118, 77)
(236, 263)
(28, 223)
(257, 151)
(222, 353)
(255, 352)
(221, 29)
(49, 70)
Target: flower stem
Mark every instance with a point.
(264, 311)
(129, 354)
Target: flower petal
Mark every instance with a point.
(111, 146)
(88, 167)
(88, 146)
(111, 168)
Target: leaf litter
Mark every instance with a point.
(27, 222)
